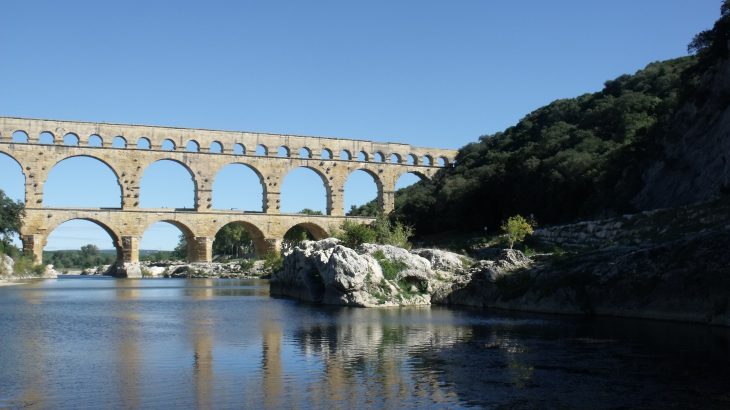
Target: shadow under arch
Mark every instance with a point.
(258, 174)
(316, 231)
(183, 165)
(116, 241)
(322, 177)
(97, 159)
(260, 245)
(5, 176)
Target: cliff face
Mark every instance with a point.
(694, 164)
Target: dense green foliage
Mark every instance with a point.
(382, 231)
(233, 240)
(516, 228)
(10, 214)
(88, 256)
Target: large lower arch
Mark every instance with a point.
(69, 182)
(363, 188)
(73, 234)
(239, 187)
(12, 182)
(305, 188)
(312, 231)
(409, 178)
(168, 183)
(168, 235)
(233, 236)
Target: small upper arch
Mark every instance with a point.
(19, 137)
(71, 139)
(283, 151)
(326, 153)
(143, 143)
(192, 146)
(119, 142)
(346, 155)
(95, 141)
(305, 152)
(168, 145)
(47, 138)
(216, 147)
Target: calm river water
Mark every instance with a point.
(105, 343)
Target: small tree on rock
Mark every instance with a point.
(517, 228)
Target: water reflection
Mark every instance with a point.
(217, 343)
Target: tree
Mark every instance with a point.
(307, 211)
(181, 250)
(11, 213)
(232, 240)
(516, 228)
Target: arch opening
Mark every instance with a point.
(192, 146)
(143, 143)
(71, 139)
(378, 157)
(12, 182)
(239, 240)
(305, 152)
(442, 161)
(46, 138)
(305, 231)
(168, 145)
(262, 150)
(411, 159)
(395, 159)
(95, 141)
(166, 240)
(408, 179)
(119, 142)
(326, 154)
(345, 154)
(19, 137)
(167, 184)
(363, 190)
(239, 149)
(283, 152)
(69, 180)
(304, 190)
(216, 147)
(79, 244)
(427, 160)
(238, 187)
(362, 156)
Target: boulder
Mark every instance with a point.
(442, 260)
(6, 265)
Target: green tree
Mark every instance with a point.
(11, 213)
(307, 211)
(181, 249)
(517, 228)
(232, 240)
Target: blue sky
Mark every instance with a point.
(435, 73)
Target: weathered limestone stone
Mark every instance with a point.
(200, 224)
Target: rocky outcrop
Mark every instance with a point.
(378, 275)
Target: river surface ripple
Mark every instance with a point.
(106, 343)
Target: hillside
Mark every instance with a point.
(657, 138)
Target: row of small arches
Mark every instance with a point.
(216, 147)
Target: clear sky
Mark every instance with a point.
(434, 73)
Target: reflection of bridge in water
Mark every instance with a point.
(39, 145)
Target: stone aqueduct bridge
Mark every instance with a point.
(129, 149)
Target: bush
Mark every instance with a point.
(25, 265)
(516, 228)
(353, 234)
(273, 262)
(246, 265)
(395, 234)
(391, 269)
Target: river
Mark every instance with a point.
(175, 343)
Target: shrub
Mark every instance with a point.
(516, 228)
(353, 234)
(25, 265)
(395, 234)
(390, 268)
(246, 265)
(273, 262)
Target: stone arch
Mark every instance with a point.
(442, 161)
(363, 156)
(427, 160)
(71, 139)
(119, 142)
(167, 181)
(186, 231)
(95, 141)
(302, 231)
(21, 195)
(192, 146)
(19, 137)
(216, 147)
(144, 143)
(406, 178)
(395, 158)
(46, 138)
(345, 155)
(305, 153)
(261, 246)
(411, 159)
(262, 183)
(239, 149)
(168, 145)
(378, 157)
(305, 191)
(326, 153)
(70, 185)
(283, 152)
(348, 201)
(115, 237)
(261, 149)
(317, 231)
